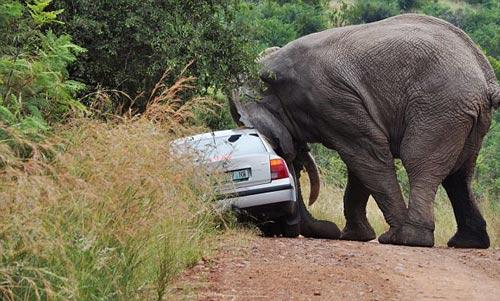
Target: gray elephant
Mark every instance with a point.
(412, 87)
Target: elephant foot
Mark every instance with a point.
(470, 239)
(408, 235)
(389, 236)
(320, 229)
(358, 232)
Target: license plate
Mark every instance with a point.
(241, 175)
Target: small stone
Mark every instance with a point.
(317, 293)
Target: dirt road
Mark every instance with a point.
(312, 269)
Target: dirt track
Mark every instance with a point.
(312, 269)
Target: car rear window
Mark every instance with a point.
(231, 145)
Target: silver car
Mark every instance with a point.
(260, 188)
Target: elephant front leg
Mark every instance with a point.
(355, 199)
(373, 166)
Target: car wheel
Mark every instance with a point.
(290, 230)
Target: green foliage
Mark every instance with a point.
(407, 5)
(131, 43)
(333, 169)
(217, 119)
(487, 179)
(34, 86)
(40, 16)
(495, 63)
(366, 11)
(275, 23)
(338, 14)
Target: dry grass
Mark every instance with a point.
(114, 217)
(329, 206)
(111, 214)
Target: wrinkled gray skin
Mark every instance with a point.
(412, 87)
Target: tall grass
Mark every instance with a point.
(330, 206)
(110, 214)
(113, 217)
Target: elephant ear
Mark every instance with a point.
(274, 65)
(256, 115)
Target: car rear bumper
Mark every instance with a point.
(275, 199)
(258, 196)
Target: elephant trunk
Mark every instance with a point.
(309, 226)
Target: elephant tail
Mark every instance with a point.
(494, 95)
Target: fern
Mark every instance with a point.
(40, 16)
(35, 89)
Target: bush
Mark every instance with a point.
(487, 179)
(366, 11)
(407, 5)
(277, 23)
(332, 168)
(131, 43)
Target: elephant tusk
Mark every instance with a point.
(313, 173)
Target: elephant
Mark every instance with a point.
(412, 87)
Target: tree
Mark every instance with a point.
(275, 23)
(131, 43)
(366, 11)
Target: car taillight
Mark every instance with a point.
(278, 169)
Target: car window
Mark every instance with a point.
(231, 145)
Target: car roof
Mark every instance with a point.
(223, 133)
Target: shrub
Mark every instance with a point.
(277, 23)
(407, 5)
(131, 42)
(366, 11)
(487, 179)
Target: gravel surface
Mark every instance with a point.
(315, 269)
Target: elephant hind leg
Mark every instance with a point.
(471, 226)
(429, 152)
(355, 199)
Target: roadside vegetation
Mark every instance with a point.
(92, 204)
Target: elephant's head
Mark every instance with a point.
(273, 124)
(270, 116)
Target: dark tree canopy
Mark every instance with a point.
(130, 43)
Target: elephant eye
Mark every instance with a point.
(265, 89)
